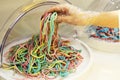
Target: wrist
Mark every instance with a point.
(87, 18)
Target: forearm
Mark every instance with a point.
(72, 15)
(103, 19)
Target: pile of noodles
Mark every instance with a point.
(46, 54)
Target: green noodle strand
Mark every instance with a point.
(53, 17)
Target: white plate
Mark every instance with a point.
(82, 68)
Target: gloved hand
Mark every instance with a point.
(70, 14)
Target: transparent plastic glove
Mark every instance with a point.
(70, 14)
(66, 13)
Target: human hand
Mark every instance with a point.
(66, 13)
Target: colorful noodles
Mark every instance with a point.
(46, 54)
(104, 33)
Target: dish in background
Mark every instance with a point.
(96, 43)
